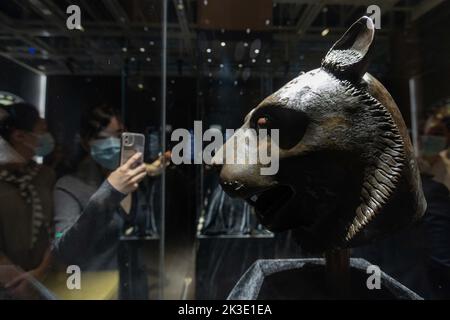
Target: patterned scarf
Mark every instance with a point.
(23, 181)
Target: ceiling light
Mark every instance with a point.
(208, 50)
(223, 44)
(325, 32)
(142, 49)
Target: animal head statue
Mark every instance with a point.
(347, 172)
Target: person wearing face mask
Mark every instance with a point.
(102, 201)
(26, 197)
(435, 167)
(434, 146)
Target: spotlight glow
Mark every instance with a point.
(325, 32)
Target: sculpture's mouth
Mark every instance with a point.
(269, 202)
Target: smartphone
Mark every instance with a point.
(131, 143)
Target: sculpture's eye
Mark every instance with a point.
(262, 122)
(290, 124)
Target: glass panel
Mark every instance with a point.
(93, 70)
(224, 58)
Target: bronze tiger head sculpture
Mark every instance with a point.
(347, 172)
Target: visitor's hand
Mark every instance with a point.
(126, 178)
(21, 286)
(156, 167)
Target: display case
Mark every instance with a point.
(358, 92)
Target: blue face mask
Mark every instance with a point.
(45, 144)
(106, 152)
(432, 145)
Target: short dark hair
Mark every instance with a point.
(95, 120)
(17, 116)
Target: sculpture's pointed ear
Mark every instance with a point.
(349, 56)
